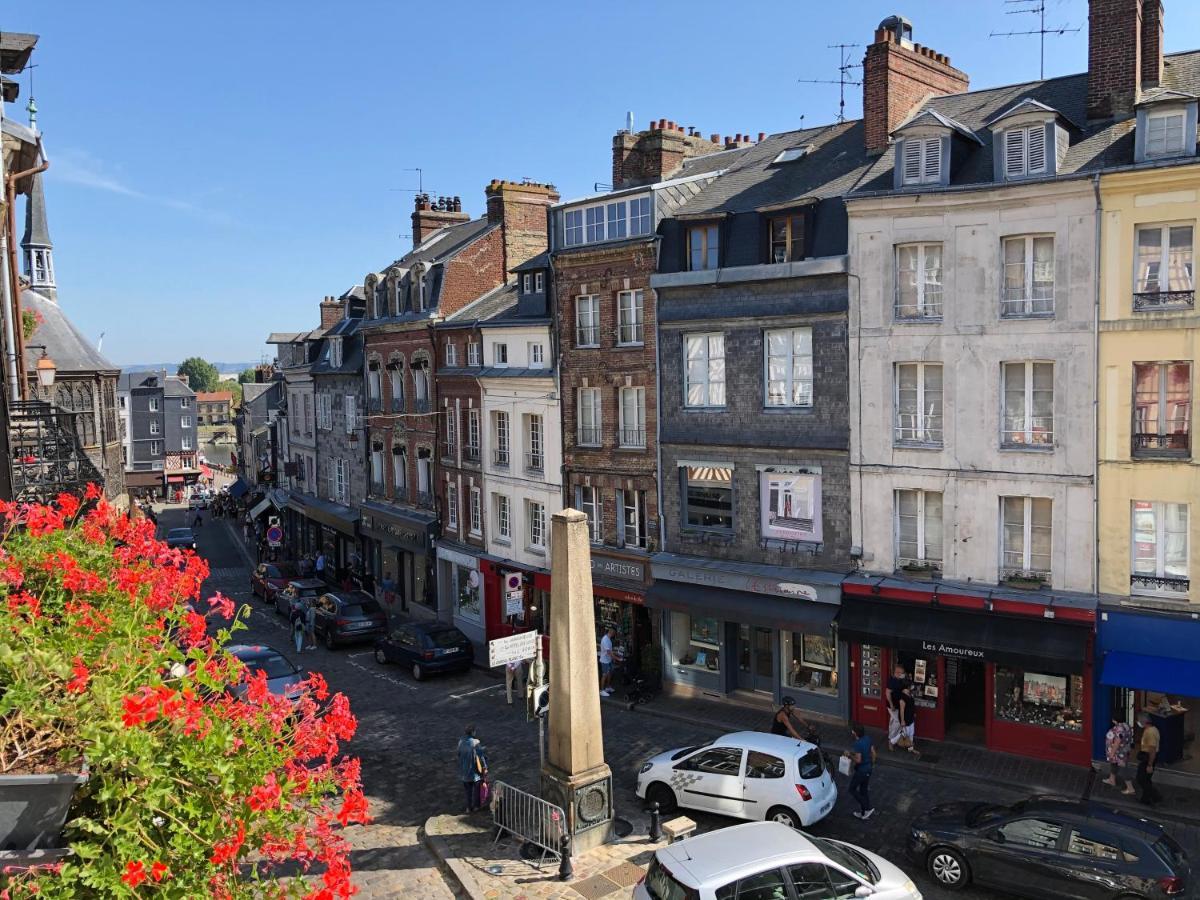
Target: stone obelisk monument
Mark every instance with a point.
(575, 775)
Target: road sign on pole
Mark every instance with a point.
(274, 535)
(513, 648)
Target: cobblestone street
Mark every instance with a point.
(408, 730)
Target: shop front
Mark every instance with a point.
(619, 583)
(985, 667)
(461, 589)
(398, 548)
(516, 598)
(1148, 662)
(145, 484)
(330, 528)
(750, 632)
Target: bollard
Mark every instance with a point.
(655, 823)
(565, 871)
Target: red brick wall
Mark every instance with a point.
(1152, 43)
(655, 154)
(476, 269)
(896, 80)
(521, 208)
(459, 392)
(1115, 38)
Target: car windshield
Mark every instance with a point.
(445, 638)
(361, 610)
(985, 813)
(185, 533)
(662, 885)
(680, 754)
(848, 858)
(1166, 849)
(279, 572)
(811, 764)
(275, 665)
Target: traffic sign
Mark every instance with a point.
(274, 535)
(502, 651)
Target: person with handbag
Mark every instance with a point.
(471, 768)
(861, 759)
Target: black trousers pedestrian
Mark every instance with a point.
(1145, 781)
(860, 783)
(471, 788)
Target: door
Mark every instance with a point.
(763, 785)
(756, 659)
(966, 701)
(1021, 856)
(711, 779)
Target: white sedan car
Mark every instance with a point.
(747, 775)
(768, 861)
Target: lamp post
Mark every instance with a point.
(47, 371)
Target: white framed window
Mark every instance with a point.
(155, 448)
(919, 281)
(396, 386)
(499, 355)
(639, 216)
(153, 404)
(1165, 134)
(588, 415)
(472, 448)
(587, 501)
(185, 402)
(185, 421)
(335, 352)
(535, 456)
(1026, 536)
(324, 414)
(616, 220)
(474, 354)
(631, 521)
(185, 442)
(537, 355)
(340, 477)
(377, 468)
(399, 471)
(539, 282)
(451, 354)
(154, 427)
(788, 363)
(501, 435)
(536, 514)
(452, 505)
(922, 160)
(1159, 565)
(704, 369)
(350, 408)
(1162, 408)
(587, 321)
(451, 430)
(476, 523)
(1028, 416)
(424, 472)
(526, 283)
(1025, 151)
(918, 528)
(573, 227)
(503, 520)
(420, 377)
(704, 247)
(1028, 276)
(919, 403)
(612, 221)
(1164, 266)
(632, 410)
(630, 318)
(594, 218)
(374, 384)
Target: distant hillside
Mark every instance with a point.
(225, 368)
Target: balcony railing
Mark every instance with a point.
(1155, 444)
(400, 494)
(930, 308)
(397, 404)
(378, 488)
(47, 457)
(1153, 584)
(421, 404)
(425, 500)
(589, 435)
(374, 404)
(1024, 577)
(471, 453)
(1021, 307)
(1040, 436)
(500, 458)
(633, 437)
(1152, 300)
(535, 462)
(587, 336)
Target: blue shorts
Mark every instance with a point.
(605, 668)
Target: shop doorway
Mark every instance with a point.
(756, 659)
(966, 701)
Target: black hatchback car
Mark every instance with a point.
(1050, 847)
(349, 618)
(426, 648)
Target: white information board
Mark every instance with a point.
(515, 647)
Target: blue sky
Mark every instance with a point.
(218, 167)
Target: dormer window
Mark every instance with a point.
(923, 160)
(1025, 151)
(335, 352)
(539, 282)
(1164, 134)
(526, 283)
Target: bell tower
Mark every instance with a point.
(39, 252)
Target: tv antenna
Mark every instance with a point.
(843, 79)
(1036, 8)
(419, 189)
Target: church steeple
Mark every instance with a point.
(39, 253)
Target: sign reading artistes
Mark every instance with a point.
(791, 503)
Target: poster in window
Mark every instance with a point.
(1044, 690)
(791, 504)
(817, 651)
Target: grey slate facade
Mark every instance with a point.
(340, 389)
(141, 396)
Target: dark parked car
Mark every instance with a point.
(1050, 847)
(348, 618)
(297, 591)
(426, 648)
(181, 539)
(283, 675)
(267, 578)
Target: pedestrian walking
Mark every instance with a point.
(1117, 744)
(320, 564)
(298, 628)
(908, 722)
(198, 521)
(862, 756)
(1147, 754)
(471, 768)
(514, 679)
(310, 623)
(781, 723)
(246, 532)
(895, 685)
(606, 661)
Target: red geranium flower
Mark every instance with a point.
(159, 871)
(135, 873)
(79, 683)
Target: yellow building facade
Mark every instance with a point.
(1149, 346)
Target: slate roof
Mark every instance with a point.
(175, 387)
(512, 315)
(352, 350)
(37, 234)
(541, 261)
(445, 242)
(712, 162)
(214, 396)
(65, 344)
(132, 381)
(252, 390)
(494, 302)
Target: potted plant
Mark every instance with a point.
(1025, 581)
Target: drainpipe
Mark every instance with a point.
(14, 338)
(662, 519)
(1096, 390)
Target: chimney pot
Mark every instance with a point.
(715, 138)
(762, 135)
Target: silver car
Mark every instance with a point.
(284, 677)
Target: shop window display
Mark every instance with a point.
(696, 642)
(1042, 699)
(618, 616)
(811, 661)
(922, 677)
(467, 582)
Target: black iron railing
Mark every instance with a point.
(1144, 300)
(47, 458)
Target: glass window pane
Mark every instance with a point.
(933, 526)
(1149, 259)
(1180, 259)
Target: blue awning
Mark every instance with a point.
(238, 488)
(1167, 674)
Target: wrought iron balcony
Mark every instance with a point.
(633, 438)
(1153, 584)
(421, 404)
(378, 488)
(400, 494)
(47, 458)
(397, 404)
(589, 436)
(1152, 300)
(535, 462)
(471, 453)
(425, 500)
(374, 404)
(1160, 444)
(500, 458)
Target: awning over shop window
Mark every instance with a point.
(338, 517)
(238, 488)
(1036, 643)
(261, 507)
(742, 606)
(1150, 673)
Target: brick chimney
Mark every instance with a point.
(333, 310)
(520, 208)
(431, 214)
(657, 153)
(898, 76)
(1152, 43)
(1115, 65)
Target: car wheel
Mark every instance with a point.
(330, 643)
(948, 868)
(418, 673)
(662, 795)
(783, 816)
(380, 657)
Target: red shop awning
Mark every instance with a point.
(175, 479)
(205, 472)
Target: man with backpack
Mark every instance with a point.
(471, 768)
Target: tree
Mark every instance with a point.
(246, 376)
(202, 375)
(235, 388)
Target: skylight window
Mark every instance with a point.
(792, 154)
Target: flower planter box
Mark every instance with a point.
(33, 809)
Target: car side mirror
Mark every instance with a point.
(997, 835)
(863, 891)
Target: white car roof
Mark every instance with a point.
(718, 857)
(778, 744)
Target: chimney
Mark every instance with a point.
(1152, 43)
(520, 209)
(898, 76)
(432, 214)
(1115, 36)
(656, 154)
(333, 311)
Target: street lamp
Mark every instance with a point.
(47, 371)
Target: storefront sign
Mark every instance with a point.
(623, 569)
(951, 650)
(413, 537)
(735, 581)
(513, 648)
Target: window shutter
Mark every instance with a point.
(1037, 148)
(933, 159)
(912, 161)
(1014, 152)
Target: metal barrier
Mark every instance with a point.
(529, 818)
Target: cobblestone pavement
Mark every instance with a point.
(408, 730)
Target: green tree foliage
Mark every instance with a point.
(246, 377)
(202, 375)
